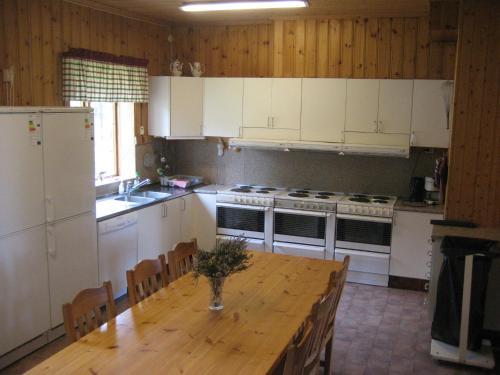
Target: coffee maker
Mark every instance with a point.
(417, 189)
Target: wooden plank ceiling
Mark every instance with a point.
(168, 10)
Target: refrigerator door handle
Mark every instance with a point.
(49, 206)
(51, 243)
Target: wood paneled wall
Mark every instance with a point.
(33, 33)
(474, 166)
(350, 47)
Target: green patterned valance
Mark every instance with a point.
(101, 77)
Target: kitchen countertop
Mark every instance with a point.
(403, 205)
(492, 234)
(209, 189)
(106, 211)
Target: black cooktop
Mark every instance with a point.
(326, 193)
(381, 197)
(298, 195)
(262, 191)
(322, 197)
(241, 190)
(302, 191)
(359, 199)
(381, 201)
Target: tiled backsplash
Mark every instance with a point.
(302, 169)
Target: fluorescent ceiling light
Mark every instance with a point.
(242, 5)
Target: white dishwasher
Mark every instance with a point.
(117, 241)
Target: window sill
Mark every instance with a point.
(108, 181)
(112, 180)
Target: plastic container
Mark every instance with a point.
(171, 180)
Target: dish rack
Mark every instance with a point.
(170, 180)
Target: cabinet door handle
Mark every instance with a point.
(380, 126)
(183, 204)
(166, 210)
(272, 121)
(376, 126)
(51, 243)
(268, 121)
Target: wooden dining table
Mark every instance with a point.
(174, 332)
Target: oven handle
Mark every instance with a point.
(300, 212)
(242, 206)
(374, 219)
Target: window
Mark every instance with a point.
(114, 140)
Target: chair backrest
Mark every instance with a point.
(180, 259)
(319, 319)
(90, 309)
(147, 277)
(297, 353)
(337, 282)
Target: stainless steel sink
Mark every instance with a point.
(151, 194)
(134, 199)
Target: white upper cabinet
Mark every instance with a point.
(432, 101)
(286, 103)
(257, 102)
(362, 105)
(175, 107)
(394, 106)
(222, 107)
(272, 103)
(323, 109)
(379, 106)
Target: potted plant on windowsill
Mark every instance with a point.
(227, 257)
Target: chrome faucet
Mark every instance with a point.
(130, 188)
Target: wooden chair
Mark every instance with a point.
(180, 259)
(90, 309)
(297, 353)
(147, 277)
(319, 319)
(337, 282)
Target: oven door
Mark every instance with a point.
(308, 251)
(304, 227)
(252, 244)
(367, 233)
(241, 220)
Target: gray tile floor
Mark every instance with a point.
(378, 331)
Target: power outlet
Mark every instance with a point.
(8, 75)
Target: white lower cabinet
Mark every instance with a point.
(150, 232)
(72, 258)
(159, 228)
(187, 217)
(24, 311)
(411, 245)
(204, 220)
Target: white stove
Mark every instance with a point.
(247, 211)
(304, 223)
(249, 194)
(364, 230)
(367, 205)
(314, 200)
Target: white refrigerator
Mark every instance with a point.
(48, 241)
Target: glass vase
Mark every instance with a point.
(216, 284)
